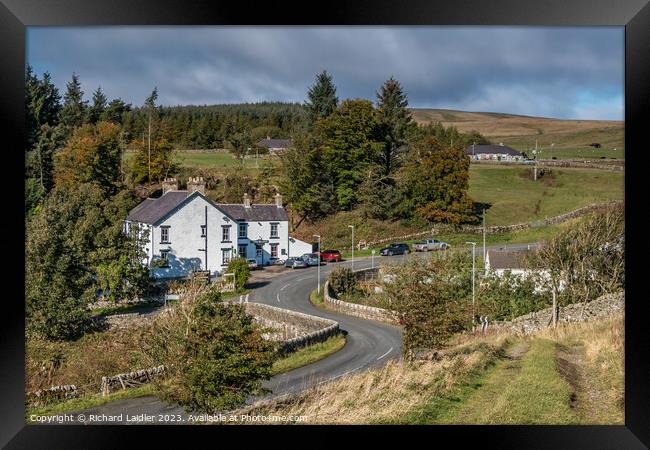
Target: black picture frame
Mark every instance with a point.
(634, 15)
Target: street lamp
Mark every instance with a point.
(473, 244)
(318, 236)
(352, 226)
(372, 260)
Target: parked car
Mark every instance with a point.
(252, 264)
(295, 262)
(331, 256)
(311, 259)
(399, 248)
(430, 244)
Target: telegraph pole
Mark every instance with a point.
(473, 244)
(318, 236)
(484, 231)
(352, 226)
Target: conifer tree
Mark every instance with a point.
(74, 106)
(394, 119)
(322, 98)
(96, 111)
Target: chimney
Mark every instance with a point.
(278, 200)
(169, 184)
(247, 201)
(268, 137)
(196, 184)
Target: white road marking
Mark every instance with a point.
(302, 279)
(240, 298)
(246, 301)
(285, 286)
(278, 297)
(389, 350)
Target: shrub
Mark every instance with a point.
(239, 266)
(214, 352)
(343, 280)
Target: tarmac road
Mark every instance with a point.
(369, 343)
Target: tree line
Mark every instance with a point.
(356, 154)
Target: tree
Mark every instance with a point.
(73, 113)
(235, 185)
(214, 352)
(150, 105)
(304, 182)
(394, 120)
(76, 232)
(322, 98)
(50, 139)
(239, 267)
(432, 300)
(96, 111)
(350, 143)
(115, 111)
(92, 155)
(42, 104)
(585, 261)
(157, 162)
(434, 181)
(239, 143)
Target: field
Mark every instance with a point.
(214, 160)
(570, 137)
(515, 199)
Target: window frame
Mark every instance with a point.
(277, 230)
(225, 229)
(164, 230)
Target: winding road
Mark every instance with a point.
(369, 343)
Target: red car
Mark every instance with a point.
(331, 256)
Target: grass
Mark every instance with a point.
(90, 401)
(492, 379)
(212, 159)
(516, 199)
(529, 392)
(308, 354)
(126, 309)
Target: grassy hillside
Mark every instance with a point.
(570, 137)
(571, 375)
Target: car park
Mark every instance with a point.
(399, 248)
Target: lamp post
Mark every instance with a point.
(318, 236)
(473, 244)
(372, 259)
(352, 226)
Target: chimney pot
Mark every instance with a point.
(196, 184)
(169, 184)
(247, 201)
(278, 200)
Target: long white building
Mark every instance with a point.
(185, 231)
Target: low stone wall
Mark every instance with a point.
(577, 312)
(582, 164)
(55, 393)
(290, 328)
(357, 310)
(130, 379)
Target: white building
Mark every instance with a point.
(499, 152)
(186, 231)
(501, 262)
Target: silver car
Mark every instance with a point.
(311, 259)
(295, 262)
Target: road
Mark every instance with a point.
(369, 343)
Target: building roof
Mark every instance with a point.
(259, 213)
(491, 149)
(506, 259)
(274, 143)
(151, 210)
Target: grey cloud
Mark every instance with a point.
(536, 71)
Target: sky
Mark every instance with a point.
(570, 73)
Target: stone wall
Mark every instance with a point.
(355, 309)
(55, 393)
(577, 312)
(130, 379)
(290, 328)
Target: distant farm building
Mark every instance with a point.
(493, 152)
(274, 145)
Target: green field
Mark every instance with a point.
(216, 160)
(515, 199)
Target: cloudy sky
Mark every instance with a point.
(551, 72)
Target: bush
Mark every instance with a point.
(343, 280)
(239, 266)
(213, 351)
(432, 299)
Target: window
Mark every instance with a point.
(164, 235)
(242, 251)
(203, 230)
(284, 251)
(164, 257)
(258, 252)
(274, 250)
(225, 254)
(274, 230)
(225, 233)
(242, 230)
